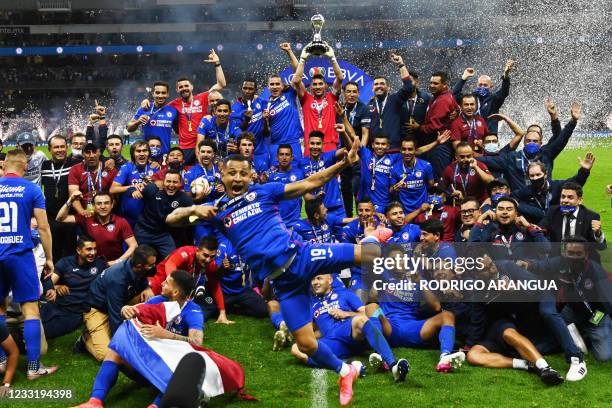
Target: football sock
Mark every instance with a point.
(31, 335)
(106, 378)
(2, 352)
(325, 358)
(447, 339)
(377, 341)
(276, 318)
(519, 364)
(541, 363)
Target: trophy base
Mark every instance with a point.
(317, 48)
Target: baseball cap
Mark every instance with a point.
(26, 138)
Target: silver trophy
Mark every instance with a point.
(317, 46)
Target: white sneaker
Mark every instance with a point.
(577, 370)
(450, 362)
(359, 367)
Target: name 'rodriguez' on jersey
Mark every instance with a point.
(252, 223)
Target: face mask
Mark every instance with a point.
(175, 165)
(491, 147)
(77, 152)
(567, 209)
(435, 201)
(531, 149)
(538, 183)
(482, 91)
(156, 153)
(496, 197)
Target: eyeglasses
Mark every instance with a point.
(468, 211)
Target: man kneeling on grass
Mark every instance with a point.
(188, 326)
(344, 327)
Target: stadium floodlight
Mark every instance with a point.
(459, 42)
(179, 48)
(419, 43)
(260, 46)
(99, 49)
(19, 51)
(540, 40)
(338, 45)
(299, 46)
(219, 47)
(139, 48)
(59, 50)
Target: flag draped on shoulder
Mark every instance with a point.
(156, 359)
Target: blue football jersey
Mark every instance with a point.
(160, 124)
(336, 299)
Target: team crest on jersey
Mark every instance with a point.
(405, 235)
(324, 227)
(334, 296)
(196, 103)
(251, 196)
(227, 221)
(110, 227)
(174, 204)
(316, 314)
(93, 270)
(588, 284)
(372, 108)
(292, 177)
(444, 215)
(178, 319)
(321, 163)
(153, 122)
(478, 123)
(419, 173)
(387, 161)
(104, 174)
(169, 114)
(184, 255)
(472, 172)
(519, 236)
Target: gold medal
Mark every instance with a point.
(190, 128)
(320, 124)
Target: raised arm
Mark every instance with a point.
(296, 82)
(337, 85)
(63, 215)
(458, 88)
(292, 58)
(319, 179)
(556, 145)
(213, 58)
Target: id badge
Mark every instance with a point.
(597, 317)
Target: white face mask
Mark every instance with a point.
(76, 152)
(491, 147)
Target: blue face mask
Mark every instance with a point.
(435, 201)
(156, 153)
(482, 91)
(567, 209)
(531, 149)
(496, 197)
(491, 147)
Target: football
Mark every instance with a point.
(199, 185)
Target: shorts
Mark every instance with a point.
(18, 273)
(292, 287)
(341, 342)
(494, 339)
(406, 333)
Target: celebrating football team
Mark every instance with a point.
(275, 206)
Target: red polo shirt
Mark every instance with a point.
(463, 131)
(90, 181)
(109, 237)
(449, 216)
(466, 180)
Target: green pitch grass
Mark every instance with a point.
(278, 381)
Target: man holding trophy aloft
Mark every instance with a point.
(318, 105)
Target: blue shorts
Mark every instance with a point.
(261, 162)
(340, 340)
(406, 333)
(292, 287)
(18, 273)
